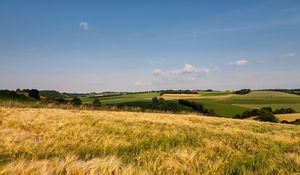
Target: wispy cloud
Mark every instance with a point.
(84, 25)
(241, 62)
(187, 74)
(186, 70)
(158, 72)
(291, 55)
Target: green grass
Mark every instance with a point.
(214, 93)
(141, 97)
(222, 109)
(296, 107)
(223, 106)
(226, 107)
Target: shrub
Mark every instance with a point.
(284, 111)
(296, 122)
(243, 91)
(266, 116)
(34, 93)
(247, 114)
(177, 92)
(96, 103)
(161, 104)
(12, 95)
(155, 100)
(285, 121)
(197, 107)
(53, 95)
(269, 109)
(211, 112)
(238, 116)
(76, 101)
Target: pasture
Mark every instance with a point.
(56, 141)
(225, 104)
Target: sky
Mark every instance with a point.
(140, 45)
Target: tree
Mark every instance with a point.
(197, 107)
(155, 100)
(296, 122)
(284, 111)
(161, 100)
(266, 116)
(76, 101)
(34, 93)
(269, 109)
(243, 91)
(96, 103)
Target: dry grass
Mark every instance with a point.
(288, 117)
(57, 141)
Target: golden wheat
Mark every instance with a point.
(57, 141)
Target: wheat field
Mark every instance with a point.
(57, 141)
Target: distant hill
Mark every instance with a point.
(291, 91)
(7, 95)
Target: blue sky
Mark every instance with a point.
(84, 46)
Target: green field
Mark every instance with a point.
(224, 103)
(140, 97)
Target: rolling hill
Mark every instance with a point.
(56, 141)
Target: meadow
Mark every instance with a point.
(225, 104)
(57, 141)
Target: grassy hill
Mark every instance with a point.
(56, 141)
(224, 103)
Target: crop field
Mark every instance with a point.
(140, 97)
(180, 96)
(224, 103)
(288, 117)
(57, 141)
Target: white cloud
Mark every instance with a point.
(84, 25)
(291, 55)
(187, 74)
(159, 72)
(241, 62)
(187, 69)
(190, 69)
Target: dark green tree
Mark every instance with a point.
(266, 116)
(96, 103)
(269, 109)
(155, 100)
(34, 93)
(76, 101)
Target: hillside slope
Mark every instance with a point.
(56, 141)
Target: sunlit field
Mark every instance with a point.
(57, 141)
(288, 117)
(225, 104)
